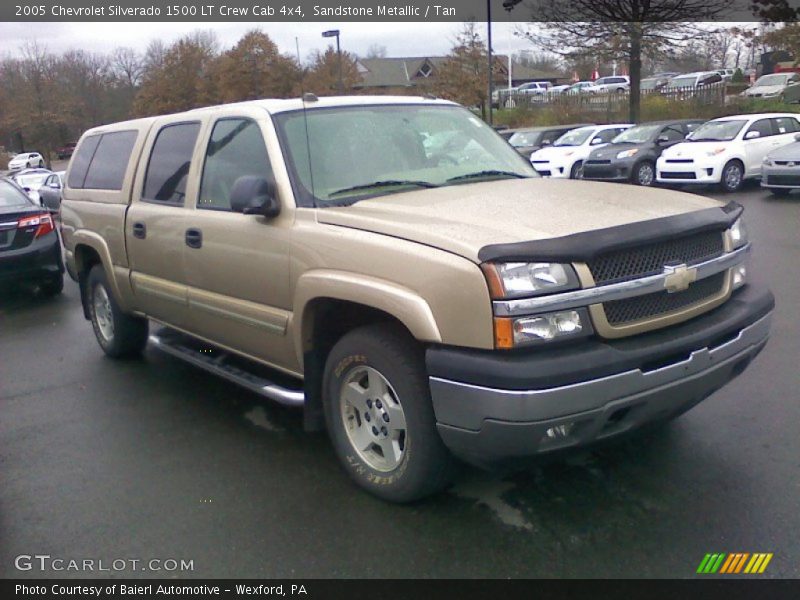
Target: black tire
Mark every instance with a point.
(41, 164)
(644, 173)
(28, 165)
(53, 286)
(128, 336)
(425, 466)
(728, 182)
(779, 191)
(576, 172)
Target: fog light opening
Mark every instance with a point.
(739, 276)
(560, 432)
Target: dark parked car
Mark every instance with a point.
(66, 150)
(632, 155)
(531, 139)
(30, 250)
(50, 191)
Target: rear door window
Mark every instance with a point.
(785, 125)
(170, 160)
(81, 161)
(110, 162)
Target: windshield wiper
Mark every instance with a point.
(708, 140)
(382, 184)
(486, 173)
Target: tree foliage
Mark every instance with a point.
(322, 77)
(463, 76)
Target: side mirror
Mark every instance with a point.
(547, 143)
(751, 135)
(596, 141)
(255, 195)
(662, 139)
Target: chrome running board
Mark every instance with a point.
(226, 365)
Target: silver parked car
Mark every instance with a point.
(780, 171)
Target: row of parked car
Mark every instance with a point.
(725, 151)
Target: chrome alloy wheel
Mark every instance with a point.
(645, 174)
(373, 419)
(102, 312)
(733, 177)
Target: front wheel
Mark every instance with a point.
(41, 164)
(732, 176)
(119, 335)
(577, 171)
(380, 417)
(644, 174)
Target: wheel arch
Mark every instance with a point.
(89, 249)
(328, 304)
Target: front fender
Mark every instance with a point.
(402, 303)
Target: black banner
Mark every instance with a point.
(401, 11)
(652, 589)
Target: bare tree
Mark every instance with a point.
(376, 51)
(619, 30)
(128, 66)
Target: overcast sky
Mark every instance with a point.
(400, 39)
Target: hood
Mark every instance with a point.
(610, 151)
(462, 219)
(764, 90)
(555, 152)
(691, 149)
(789, 152)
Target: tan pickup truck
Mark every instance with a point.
(396, 269)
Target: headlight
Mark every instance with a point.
(519, 279)
(538, 329)
(715, 151)
(738, 234)
(628, 153)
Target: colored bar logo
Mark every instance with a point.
(735, 563)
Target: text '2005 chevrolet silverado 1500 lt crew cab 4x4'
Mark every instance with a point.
(396, 269)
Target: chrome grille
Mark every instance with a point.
(653, 305)
(634, 263)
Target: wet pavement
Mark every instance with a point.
(154, 459)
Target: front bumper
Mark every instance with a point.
(781, 177)
(547, 168)
(688, 171)
(491, 406)
(614, 170)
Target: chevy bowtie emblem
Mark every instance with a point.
(678, 278)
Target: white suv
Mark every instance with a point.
(614, 83)
(727, 151)
(565, 157)
(26, 160)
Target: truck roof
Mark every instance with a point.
(279, 105)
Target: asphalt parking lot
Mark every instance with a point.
(155, 459)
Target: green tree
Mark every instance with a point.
(463, 76)
(322, 76)
(254, 68)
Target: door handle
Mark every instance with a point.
(139, 230)
(194, 238)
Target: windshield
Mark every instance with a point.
(11, 196)
(637, 135)
(345, 154)
(525, 138)
(648, 84)
(32, 181)
(774, 79)
(681, 82)
(717, 131)
(576, 137)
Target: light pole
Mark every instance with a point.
(335, 33)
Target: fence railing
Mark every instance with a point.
(608, 101)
